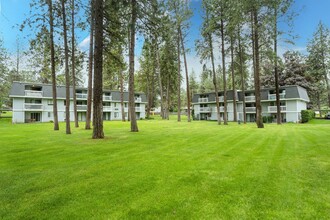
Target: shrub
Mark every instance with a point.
(267, 119)
(307, 115)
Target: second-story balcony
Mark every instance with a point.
(221, 98)
(33, 106)
(82, 107)
(273, 96)
(274, 108)
(250, 109)
(33, 93)
(204, 109)
(107, 108)
(107, 97)
(250, 98)
(138, 99)
(203, 99)
(81, 95)
(221, 109)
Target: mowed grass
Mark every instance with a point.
(168, 170)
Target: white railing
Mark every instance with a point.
(33, 106)
(33, 93)
(81, 95)
(138, 99)
(221, 98)
(250, 109)
(204, 109)
(251, 98)
(221, 108)
(274, 108)
(107, 98)
(273, 96)
(137, 109)
(203, 99)
(81, 107)
(107, 108)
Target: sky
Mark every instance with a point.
(310, 13)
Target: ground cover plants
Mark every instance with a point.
(170, 170)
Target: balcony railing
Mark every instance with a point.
(107, 108)
(33, 93)
(81, 95)
(221, 108)
(273, 96)
(33, 106)
(137, 109)
(203, 99)
(204, 109)
(138, 99)
(251, 98)
(221, 98)
(250, 109)
(107, 98)
(81, 107)
(274, 108)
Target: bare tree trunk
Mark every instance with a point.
(233, 77)
(242, 74)
(52, 62)
(134, 126)
(122, 96)
(90, 71)
(168, 99)
(223, 56)
(257, 69)
(277, 89)
(160, 85)
(98, 69)
(179, 75)
(73, 68)
(215, 81)
(67, 76)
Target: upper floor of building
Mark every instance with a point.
(291, 92)
(44, 91)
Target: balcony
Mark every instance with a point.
(203, 99)
(137, 109)
(221, 108)
(107, 108)
(81, 95)
(250, 109)
(33, 106)
(107, 97)
(273, 96)
(221, 98)
(251, 98)
(274, 108)
(138, 99)
(33, 93)
(82, 107)
(204, 109)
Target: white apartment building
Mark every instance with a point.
(293, 99)
(33, 102)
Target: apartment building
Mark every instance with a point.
(34, 103)
(293, 99)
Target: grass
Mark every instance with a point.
(6, 114)
(168, 170)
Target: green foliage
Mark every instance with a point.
(307, 115)
(169, 171)
(267, 119)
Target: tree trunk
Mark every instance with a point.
(223, 56)
(98, 67)
(277, 89)
(242, 74)
(160, 85)
(134, 126)
(122, 96)
(90, 71)
(52, 62)
(67, 76)
(73, 68)
(179, 74)
(214, 80)
(233, 77)
(257, 69)
(187, 75)
(168, 99)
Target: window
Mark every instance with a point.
(50, 102)
(50, 114)
(116, 114)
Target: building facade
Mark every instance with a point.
(293, 99)
(34, 103)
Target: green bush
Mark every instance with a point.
(307, 115)
(267, 119)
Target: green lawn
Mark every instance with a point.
(168, 170)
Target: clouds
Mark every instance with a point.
(84, 44)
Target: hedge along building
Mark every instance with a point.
(33, 102)
(293, 99)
